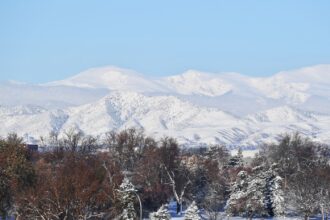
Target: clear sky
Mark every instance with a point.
(49, 40)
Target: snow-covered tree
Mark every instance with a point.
(215, 199)
(179, 184)
(237, 160)
(219, 154)
(161, 214)
(276, 196)
(235, 203)
(303, 192)
(322, 176)
(127, 197)
(192, 212)
(273, 189)
(259, 193)
(255, 194)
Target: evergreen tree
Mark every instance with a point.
(192, 212)
(235, 203)
(127, 197)
(255, 194)
(274, 195)
(219, 154)
(237, 160)
(161, 214)
(277, 196)
(258, 194)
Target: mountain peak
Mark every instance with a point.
(317, 74)
(106, 71)
(99, 77)
(194, 74)
(112, 78)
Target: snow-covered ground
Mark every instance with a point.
(223, 216)
(194, 107)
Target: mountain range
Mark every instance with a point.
(194, 107)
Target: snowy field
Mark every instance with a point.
(223, 216)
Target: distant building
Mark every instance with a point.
(32, 147)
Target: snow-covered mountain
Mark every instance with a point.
(195, 107)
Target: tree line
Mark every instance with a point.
(81, 178)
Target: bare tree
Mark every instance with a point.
(74, 189)
(304, 189)
(126, 146)
(72, 139)
(179, 181)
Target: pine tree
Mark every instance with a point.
(219, 154)
(192, 212)
(251, 194)
(127, 196)
(237, 160)
(128, 212)
(277, 196)
(235, 203)
(255, 194)
(274, 200)
(161, 214)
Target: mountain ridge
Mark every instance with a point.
(195, 107)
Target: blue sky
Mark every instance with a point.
(42, 41)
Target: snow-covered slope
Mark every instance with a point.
(197, 83)
(195, 107)
(112, 78)
(12, 94)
